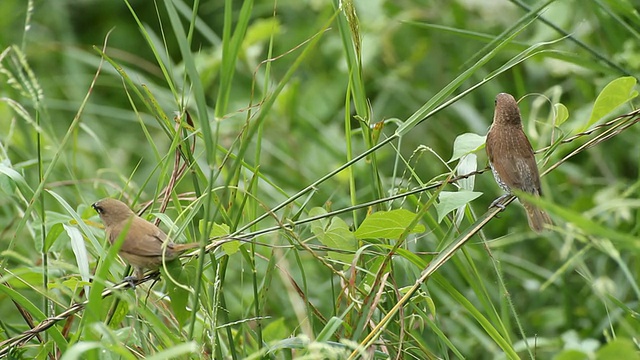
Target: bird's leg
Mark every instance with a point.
(133, 279)
(497, 202)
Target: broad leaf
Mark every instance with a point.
(465, 144)
(387, 224)
(450, 201)
(616, 93)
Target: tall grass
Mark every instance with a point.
(306, 146)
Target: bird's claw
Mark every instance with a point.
(131, 280)
(498, 202)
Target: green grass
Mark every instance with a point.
(320, 136)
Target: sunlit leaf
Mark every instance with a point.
(387, 224)
(450, 201)
(616, 93)
(80, 252)
(562, 113)
(465, 144)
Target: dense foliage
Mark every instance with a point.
(325, 137)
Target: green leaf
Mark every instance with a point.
(450, 201)
(80, 252)
(71, 283)
(562, 113)
(80, 349)
(275, 330)
(179, 295)
(387, 224)
(202, 225)
(328, 332)
(221, 230)
(337, 236)
(468, 163)
(618, 349)
(52, 236)
(318, 226)
(229, 248)
(616, 93)
(28, 279)
(7, 186)
(17, 179)
(261, 30)
(31, 308)
(119, 314)
(465, 144)
(571, 354)
(177, 351)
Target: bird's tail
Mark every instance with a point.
(537, 217)
(178, 248)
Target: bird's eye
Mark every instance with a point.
(98, 208)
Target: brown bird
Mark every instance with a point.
(143, 243)
(511, 158)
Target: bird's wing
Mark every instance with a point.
(517, 166)
(144, 239)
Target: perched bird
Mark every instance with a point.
(143, 243)
(511, 158)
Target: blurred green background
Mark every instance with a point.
(410, 51)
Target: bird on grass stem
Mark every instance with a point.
(512, 160)
(143, 245)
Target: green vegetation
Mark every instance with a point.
(325, 136)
